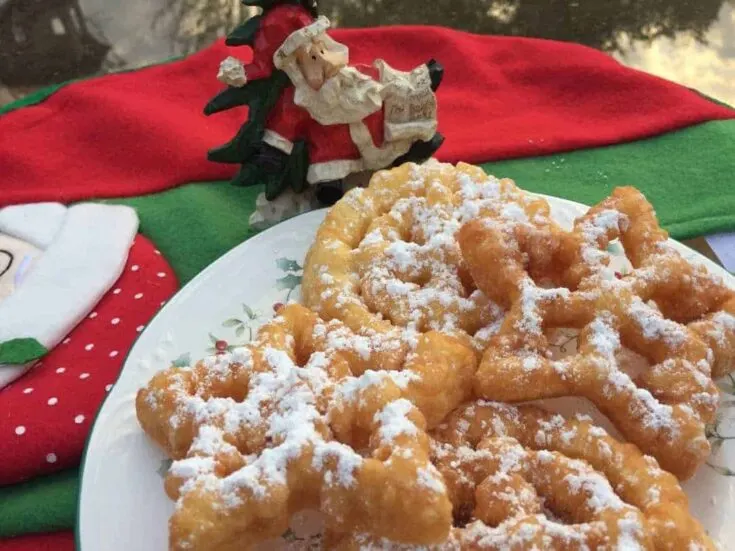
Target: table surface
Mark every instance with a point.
(44, 42)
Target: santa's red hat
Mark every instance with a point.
(283, 30)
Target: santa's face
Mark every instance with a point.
(318, 63)
(16, 257)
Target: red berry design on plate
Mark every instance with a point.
(221, 346)
(618, 275)
(277, 306)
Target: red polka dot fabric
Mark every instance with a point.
(48, 413)
(57, 541)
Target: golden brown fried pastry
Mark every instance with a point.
(386, 258)
(301, 419)
(521, 478)
(664, 407)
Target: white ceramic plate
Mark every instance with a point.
(122, 505)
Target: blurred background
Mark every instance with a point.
(44, 42)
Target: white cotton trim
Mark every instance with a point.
(81, 263)
(274, 139)
(36, 223)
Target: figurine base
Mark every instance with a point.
(290, 204)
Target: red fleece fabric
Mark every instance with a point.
(48, 412)
(144, 131)
(57, 541)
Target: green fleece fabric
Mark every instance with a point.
(45, 504)
(687, 175)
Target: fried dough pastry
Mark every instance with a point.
(386, 258)
(675, 315)
(521, 478)
(301, 419)
(591, 474)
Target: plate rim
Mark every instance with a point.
(190, 284)
(231, 252)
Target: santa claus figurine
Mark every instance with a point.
(314, 117)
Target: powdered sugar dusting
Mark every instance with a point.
(394, 422)
(408, 262)
(429, 477)
(654, 326)
(282, 416)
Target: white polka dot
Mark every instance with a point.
(89, 347)
(134, 268)
(163, 302)
(115, 321)
(161, 274)
(20, 430)
(93, 315)
(27, 390)
(51, 458)
(108, 387)
(140, 328)
(117, 291)
(52, 401)
(138, 296)
(157, 251)
(79, 419)
(113, 353)
(61, 370)
(66, 341)
(84, 375)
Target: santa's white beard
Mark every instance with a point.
(348, 97)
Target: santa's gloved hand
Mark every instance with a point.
(436, 73)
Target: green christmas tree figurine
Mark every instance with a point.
(312, 118)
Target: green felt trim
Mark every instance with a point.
(687, 175)
(32, 99)
(44, 504)
(20, 351)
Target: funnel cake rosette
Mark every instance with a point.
(386, 260)
(669, 312)
(302, 419)
(522, 478)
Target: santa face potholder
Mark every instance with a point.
(57, 263)
(46, 414)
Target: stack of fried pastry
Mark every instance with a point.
(391, 401)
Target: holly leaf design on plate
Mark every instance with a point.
(21, 351)
(288, 265)
(240, 331)
(232, 322)
(249, 312)
(163, 467)
(290, 282)
(182, 361)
